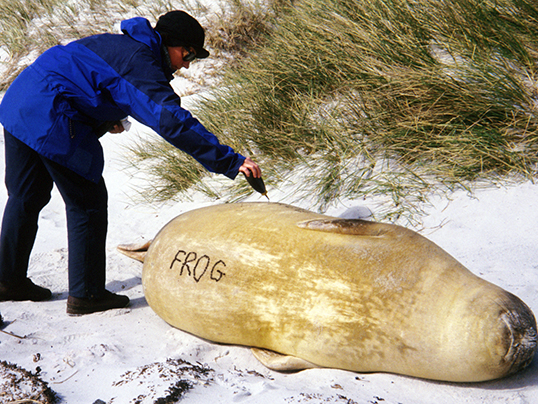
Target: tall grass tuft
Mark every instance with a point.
(386, 98)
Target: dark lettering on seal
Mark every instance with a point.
(176, 258)
(220, 273)
(191, 257)
(196, 273)
(197, 267)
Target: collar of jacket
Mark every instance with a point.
(140, 30)
(167, 62)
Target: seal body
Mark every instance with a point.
(348, 294)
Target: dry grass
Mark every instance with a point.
(389, 99)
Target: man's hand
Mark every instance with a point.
(249, 168)
(117, 128)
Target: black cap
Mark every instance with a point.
(177, 28)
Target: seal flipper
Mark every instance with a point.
(355, 227)
(135, 251)
(279, 362)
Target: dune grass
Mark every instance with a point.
(389, 100)
(385, 99)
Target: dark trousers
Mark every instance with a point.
(29, 181)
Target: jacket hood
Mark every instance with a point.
(141, 30)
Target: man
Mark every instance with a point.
(53, 115)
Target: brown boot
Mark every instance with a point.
(25, 290)
(77, 306)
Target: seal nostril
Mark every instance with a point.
(523, 340)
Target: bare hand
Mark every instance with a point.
(117, 128)
(249, 168)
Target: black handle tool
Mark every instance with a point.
(257, 184)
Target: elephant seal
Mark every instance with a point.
(319, 291)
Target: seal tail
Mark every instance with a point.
(135, 251)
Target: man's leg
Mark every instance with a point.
(86, 209)
(29, 186)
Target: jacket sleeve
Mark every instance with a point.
(143, 91)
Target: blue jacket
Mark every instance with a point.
(56, 104)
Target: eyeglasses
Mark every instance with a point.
(189, 57)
